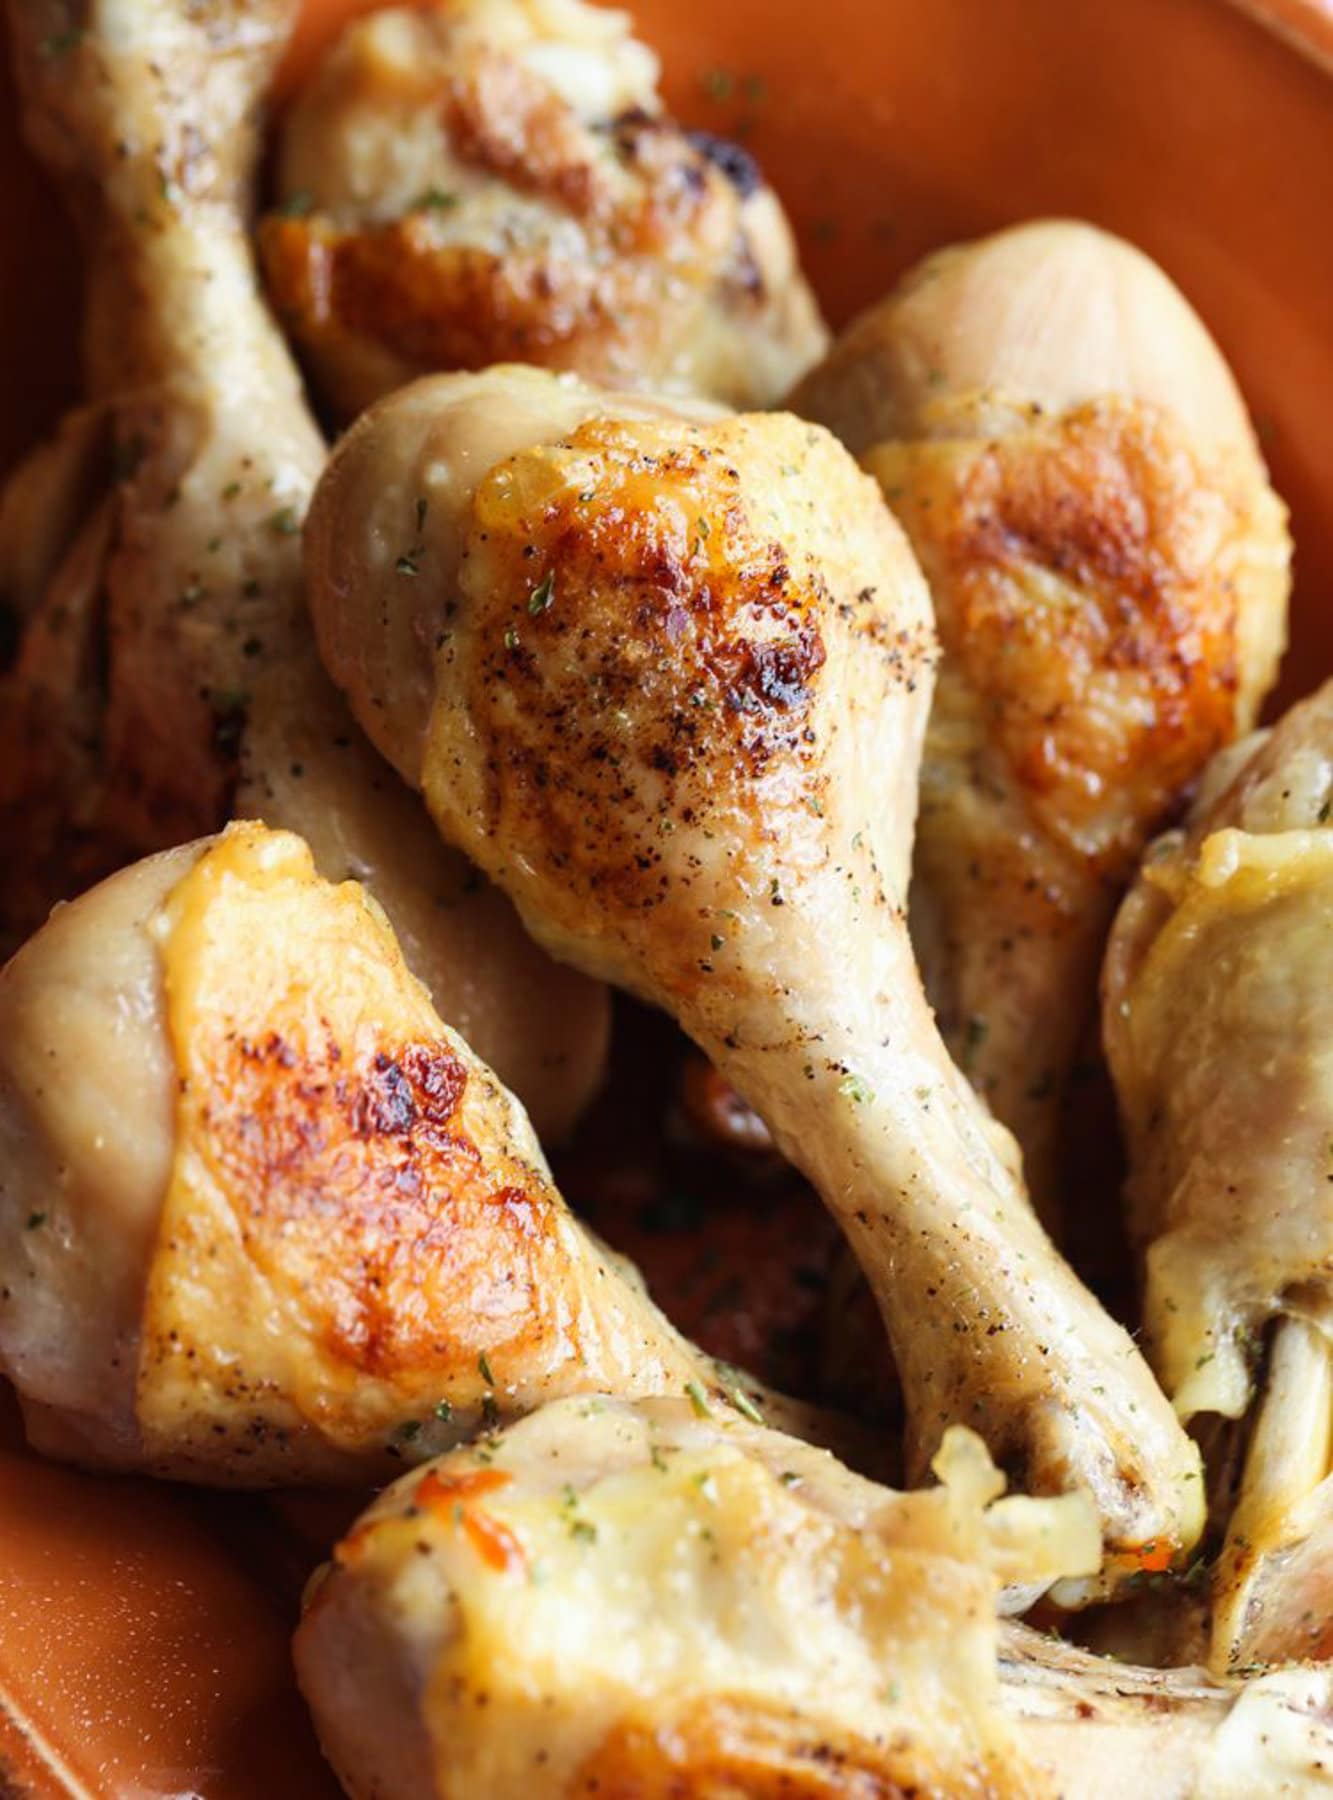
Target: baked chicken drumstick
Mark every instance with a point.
(1218, 1020)
(167, 677)
(263, 1217)
(483, 181)
(1069, 455)
(631, 1599)
(679, 681)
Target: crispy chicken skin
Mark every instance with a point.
(1109, 565)
(680, 679)
(493, 181)
(167, 677)
(633, 1599)
(1219, 1031)
(263, 1218)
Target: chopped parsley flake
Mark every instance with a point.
(746, 1407)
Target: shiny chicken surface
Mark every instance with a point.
(263, 1217)
(636, 1600)
(167, 676)
(639, 1600)
(1219, 1029)
(1109, 567)
(681, 677)
(490, 181)
(673, 681)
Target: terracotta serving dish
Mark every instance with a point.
(143, 1630)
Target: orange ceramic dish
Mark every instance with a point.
(144, 1630)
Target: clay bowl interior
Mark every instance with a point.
(143, 1630)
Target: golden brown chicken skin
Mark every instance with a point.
(680, 675)
(263, 1217)
(490, 181)
(1109, 568)
(167, 678)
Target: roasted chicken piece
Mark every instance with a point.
(668, 682)
(1107, 1730)
(1109, 565)
(167, 675)
(263, 1218)
(490, 181)
(614, 1598)
(1218, 1020)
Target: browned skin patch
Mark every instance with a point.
(659, 230)
(654, 568)
(1108, 699)
(1088, 576)
(358, 1189)
(721, 1747)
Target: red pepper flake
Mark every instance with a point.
(448, 1497)
(494, 1543)
(1151, 1558)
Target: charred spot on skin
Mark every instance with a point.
(355, 1180)
(423, 1087)
(736, 163)
(777, 674)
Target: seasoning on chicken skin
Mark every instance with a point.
(489, 181)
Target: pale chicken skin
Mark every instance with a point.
(679, 681)
(616, 1599)
(490, 181)
(1219, 1032)
(263, 1217)
(1109, 566)
(167, 678)
(613, 1599)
